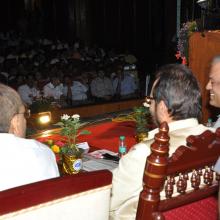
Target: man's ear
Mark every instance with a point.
(163, 113)
(13, 129)
(163, 106)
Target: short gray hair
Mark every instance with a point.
(10, 104)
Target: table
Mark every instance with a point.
(104, 135)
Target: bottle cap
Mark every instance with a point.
(122, 138)
(122, 149)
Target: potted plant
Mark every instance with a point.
(71, 154)
(141, 116)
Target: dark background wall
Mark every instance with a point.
(144, 27)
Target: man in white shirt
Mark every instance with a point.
(176, 99)
(23, 160)
(101, 87)
(124, 84)
(28, 92)
(78, 89)
(53, 89)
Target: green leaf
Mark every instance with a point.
(59, 124)
(85, 132)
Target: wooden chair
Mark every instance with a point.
(82, 196)
(161, 172)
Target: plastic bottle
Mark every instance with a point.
(209, 123)
(122, 149)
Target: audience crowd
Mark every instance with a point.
(69, 73)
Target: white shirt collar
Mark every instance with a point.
(175, 125)
(50, 85)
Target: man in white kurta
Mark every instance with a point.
(22, 160)
(128, 177)
(176, 99)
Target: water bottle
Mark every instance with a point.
(209, 123)
(122, 150)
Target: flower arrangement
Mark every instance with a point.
(183, 40)
(70, 126)
(56, 147)
(142, 116)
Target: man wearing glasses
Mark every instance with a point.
(22, 160)
(176, 99)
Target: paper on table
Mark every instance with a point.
(103, 151)
(90, 163)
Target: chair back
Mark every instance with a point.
(185, 177)
(81, 196)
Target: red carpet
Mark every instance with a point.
(105, 135)
(205, 209)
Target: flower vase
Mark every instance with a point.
(139, 137)
(72, 164)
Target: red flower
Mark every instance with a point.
(177, 55)
(58, 157)
(59, 143)
(184, 61)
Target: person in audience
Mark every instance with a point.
(28, 91)
(41, 82)
(79, 91)
(124, 84)
(67, 92)
(101, 87)
(176, 99)
(129, 58)
(23, 160)
(53, 89)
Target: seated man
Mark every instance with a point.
(79, 90)
(124, 84)
(53, 89)
(22, 161)
(175, 99)
(213, 86)
(28, 91)
(101, 87)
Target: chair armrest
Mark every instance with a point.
(60, 198)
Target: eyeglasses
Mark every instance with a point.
(149, 99)
(27, 113)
